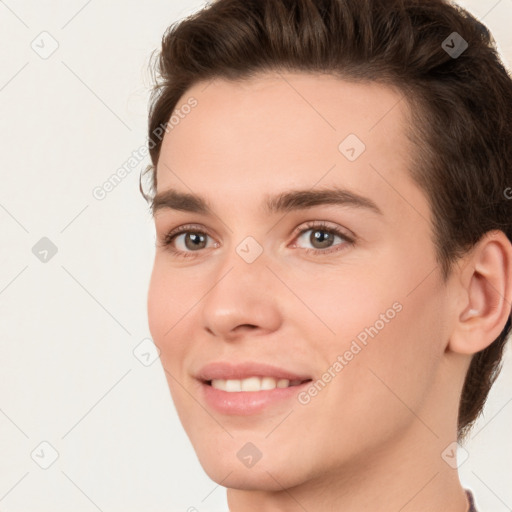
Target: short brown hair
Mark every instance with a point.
(460, 105)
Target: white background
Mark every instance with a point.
(68, 327)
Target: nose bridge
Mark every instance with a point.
(243, 272)
(245, 250)
(243, 291)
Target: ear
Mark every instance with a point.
(485, 294)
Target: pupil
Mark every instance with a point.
(194, 237)
(322, 239)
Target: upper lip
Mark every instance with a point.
(225, 370)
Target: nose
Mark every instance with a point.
(244, 297)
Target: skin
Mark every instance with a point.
(375, 434)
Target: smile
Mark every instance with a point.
(252, 384)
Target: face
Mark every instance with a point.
(340, 290)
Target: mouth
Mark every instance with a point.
(250, 396)
(253, 384)
(249, 387)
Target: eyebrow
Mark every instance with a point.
(281, 203)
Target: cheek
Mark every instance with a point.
(389, 328)
(345, 302)
(167, 305)
(401, 353)
(380, 382)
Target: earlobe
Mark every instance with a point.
(487, 288)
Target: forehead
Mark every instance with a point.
(289, 130)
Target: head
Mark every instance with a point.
(414, 295)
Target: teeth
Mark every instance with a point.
(252, 384)
(283, 383)
(268, 383)
(233, 385)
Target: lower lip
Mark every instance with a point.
(243, 403)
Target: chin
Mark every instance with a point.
(228, 463)
(261, 478)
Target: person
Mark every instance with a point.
(332, 283)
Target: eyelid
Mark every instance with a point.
(323, 224)
(184, 228)
(297, 231)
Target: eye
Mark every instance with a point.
(185, 241)
(194, 239)
(322, 236)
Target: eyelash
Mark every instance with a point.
(317, 225)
